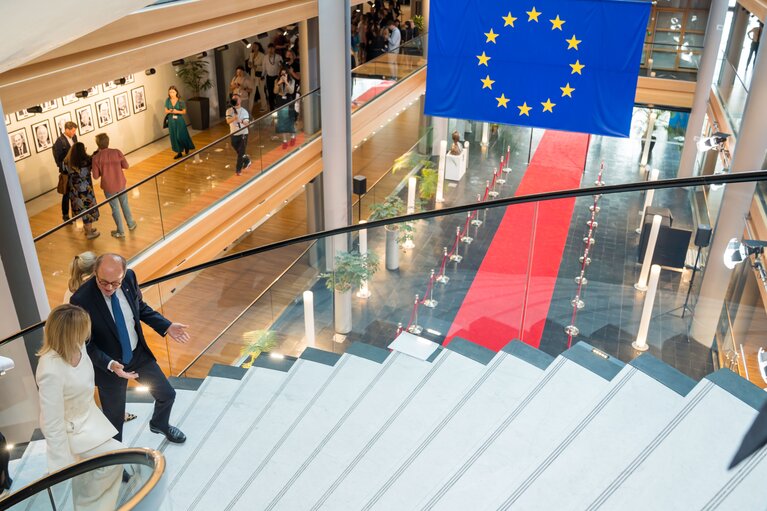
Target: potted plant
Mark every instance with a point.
(349, 271)
(257, 342)
(194, 74)
(392, 207)
(428, 180)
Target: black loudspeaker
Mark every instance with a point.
(703, 236)
(359, 185)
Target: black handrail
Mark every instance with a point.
(135, 456)
(738, 177)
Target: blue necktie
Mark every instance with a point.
(122, 329)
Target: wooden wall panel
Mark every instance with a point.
(663, 92)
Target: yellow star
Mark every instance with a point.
(483, 59)
(533, 15)
(557, 23)
(567, 90)
(572, 42)
(487, 83)
(502, 101)
(524, 109)
(509, 19)
(577, 67)
(490, 36)
(548, 106)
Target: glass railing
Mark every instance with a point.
(168, 200)
(732, 92)
(143, 486)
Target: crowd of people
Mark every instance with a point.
(379, 31)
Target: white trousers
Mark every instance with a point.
(98, 490)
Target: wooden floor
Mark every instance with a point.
(214, 298)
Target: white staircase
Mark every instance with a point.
(467, 429)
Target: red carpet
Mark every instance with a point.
(492, 312)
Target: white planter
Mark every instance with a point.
(342, 311)
(392, 250)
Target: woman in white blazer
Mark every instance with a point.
(74, 427)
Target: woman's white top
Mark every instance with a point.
(69, 418)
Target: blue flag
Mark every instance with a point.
(563, 64)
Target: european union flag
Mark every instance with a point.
(562, 64)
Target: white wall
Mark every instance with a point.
(38, 173)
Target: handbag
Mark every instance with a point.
(61, 187)
(165, 122)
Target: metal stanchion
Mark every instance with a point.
(455, 257)
(500, 180)
(466, 238)
(476, 222)
(415, 328)
(507, 168)
(430, 301)
(442, 278)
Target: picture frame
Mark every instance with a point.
(69, 99)
(107, 86)
(139, 99)
(104, 112)
(129, 78)
(23, 114)
(86, 122)
(59, 122)
(7, 121)
(122, 106)
(19, 144)
(47, 106)
(42, 135)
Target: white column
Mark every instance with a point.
(641, 284)
(649, 196)
(309, 318)
(440, 197)
(23, 302)
(363, 292)
(748, 155)
(438, 132)
(644, 323)
(412, 185)
(485, 134)
(714, 29)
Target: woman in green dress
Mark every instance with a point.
(175, 109)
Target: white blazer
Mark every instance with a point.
(69, 418)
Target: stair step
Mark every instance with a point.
(299, 445)
(297, 393)
(565, 391)
(697, 444)
(221, 439)
(308, 483)
(624, 420)
(433, 459)
(453, 375)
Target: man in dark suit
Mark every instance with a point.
(117, 346)
(60, 150)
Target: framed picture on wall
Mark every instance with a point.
(23, 114)
(93, 91)
(139, 99)
(104, 112)
(110, 85)
(69, 99)
(122, 108)
(20, 144)
(129, 79)
(47, 106)
(42, 136)
(7, 120)
(59, 122)
(85, 119)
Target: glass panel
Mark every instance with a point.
(696, 21)
(666, 4)
(693, 40)
(733, 93)
(664, 60)
(689, 60)
(670, 38)
(699, 4)
(669, 20)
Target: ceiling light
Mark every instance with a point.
(150, 71)
(120, 81)
(247, 43)
(179, 62)
(201, 55)
(81, 94)
(222, 48)
(737, 252)
(37, 109)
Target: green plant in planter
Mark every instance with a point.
(418, 23)
(194, 74)
(257, 342)
(428, 181)
(351, 269)
(392, 207)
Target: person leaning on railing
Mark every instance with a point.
(73, 425)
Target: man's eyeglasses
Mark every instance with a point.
(104, 283)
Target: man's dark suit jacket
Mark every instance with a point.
(104, 344)
(60, 150)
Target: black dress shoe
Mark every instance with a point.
(126, 476)
(178, 155)
(173, 434)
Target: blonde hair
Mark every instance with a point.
(67, 328)
(82, 268)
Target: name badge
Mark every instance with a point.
(175, 116)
